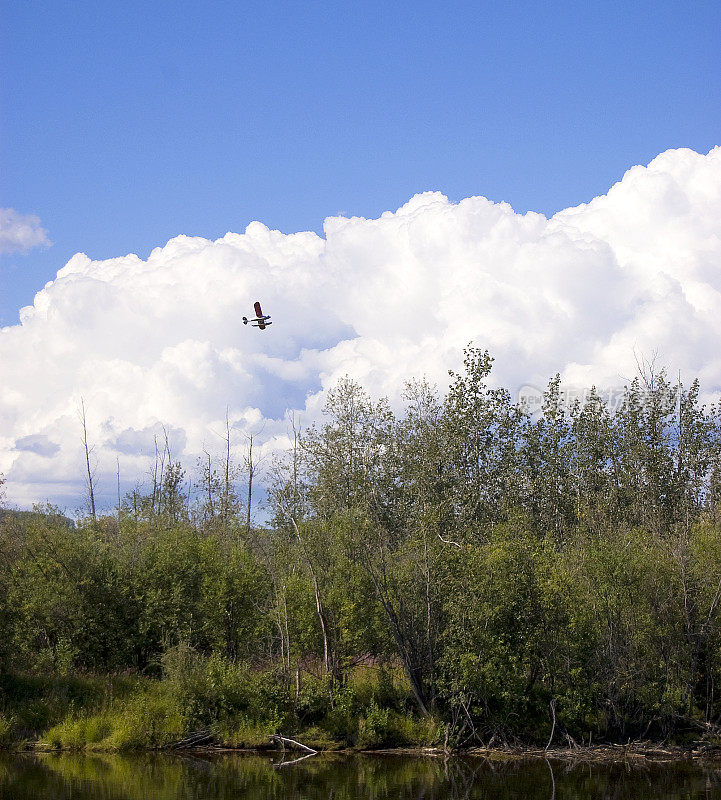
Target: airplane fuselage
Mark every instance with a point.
(260, 320)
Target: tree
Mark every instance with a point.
(89, 471)
(546, 456)
(593, 464)
(483, 433)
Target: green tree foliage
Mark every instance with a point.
(501, 575)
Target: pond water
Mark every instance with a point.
(247, 777)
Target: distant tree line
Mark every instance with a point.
(531, 576)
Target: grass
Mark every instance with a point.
(147, 719)
(241, 706)
(7, 731)
(31, 705)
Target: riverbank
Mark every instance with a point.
(635, 753)
(605, 754)
(213, 707)
(638, 753)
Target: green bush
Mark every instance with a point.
(313, 699)
(7, 730)
(78, 734)
(212, 689)
(247, 733)
(373, 727)
(406, 730)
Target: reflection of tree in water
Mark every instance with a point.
(194, 777)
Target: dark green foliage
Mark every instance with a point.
(459, 573)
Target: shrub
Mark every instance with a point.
(373, 726)
(7, 729)
(152, 719)
(244, 732)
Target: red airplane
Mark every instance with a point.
(261, 320)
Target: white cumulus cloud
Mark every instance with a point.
(157, 346)
(20, 232)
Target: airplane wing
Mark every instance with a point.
(256, 306)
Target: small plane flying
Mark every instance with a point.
(261, 320)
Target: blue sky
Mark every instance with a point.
(125, 124)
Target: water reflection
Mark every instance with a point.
(254, 777)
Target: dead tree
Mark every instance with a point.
(252, 466)
(88, 451)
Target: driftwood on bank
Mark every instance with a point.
(283, 740)
(193, 739)
(309, 752)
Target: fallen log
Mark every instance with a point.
(192, 740)
(292, 743)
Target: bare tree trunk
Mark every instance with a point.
(88, 450)
(282, 636)
(287, 632)
(226, 482)
(157, 478)
(187, 500)
(404, 650)
(209, 486)
(429, 614)
(251, 470)
(318, 603)
(552, 706)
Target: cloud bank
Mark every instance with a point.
(159, 342)
(20, 232)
